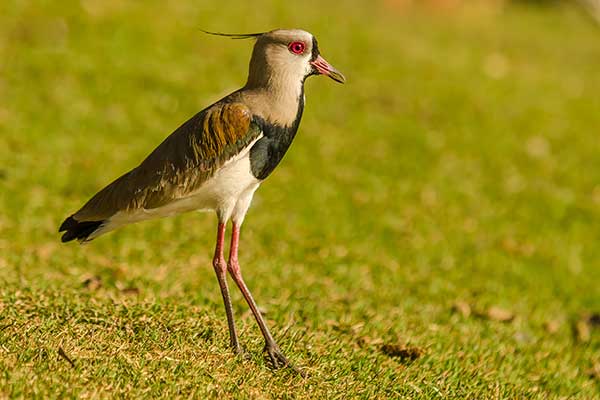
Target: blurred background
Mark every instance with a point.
(446, 200)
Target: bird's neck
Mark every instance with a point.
(276, 97)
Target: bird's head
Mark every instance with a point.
(294, 53)
(291, 55)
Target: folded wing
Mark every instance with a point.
(177, 167)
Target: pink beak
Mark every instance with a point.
(324, 68)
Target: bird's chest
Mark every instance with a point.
(269, 150)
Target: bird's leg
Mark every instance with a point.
(276, 356)
(220, 267)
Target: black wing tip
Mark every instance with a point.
(234, 35)
(77, 230)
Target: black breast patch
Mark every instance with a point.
(268, 151)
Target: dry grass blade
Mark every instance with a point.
(64, 355)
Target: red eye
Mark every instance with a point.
(296, 47)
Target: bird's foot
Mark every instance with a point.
(276, 357)
(278, 360)
(239, 351)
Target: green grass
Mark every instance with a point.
(461, 163)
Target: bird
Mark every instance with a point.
(217, 159)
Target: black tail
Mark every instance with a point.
(77, 230)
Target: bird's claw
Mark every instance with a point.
(241, 352)
(278, 360)
(276, 357)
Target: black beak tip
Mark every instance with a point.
(338, 77)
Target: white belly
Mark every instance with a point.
(221, 192)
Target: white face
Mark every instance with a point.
(288, 56)
(289, 52)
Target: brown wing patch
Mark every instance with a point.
(180, 164)
(223, 127)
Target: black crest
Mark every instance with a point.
(235, 35)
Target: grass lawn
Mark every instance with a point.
(434, 231)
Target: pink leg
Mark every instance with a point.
(275, 354)
(220, 267)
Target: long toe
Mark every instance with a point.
(278, 360)
(241, 352)
(276, 357)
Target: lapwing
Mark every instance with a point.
(217, 159)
